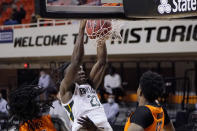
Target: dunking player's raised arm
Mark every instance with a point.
(98, 70)
(71, 71)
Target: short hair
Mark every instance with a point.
(23, 105)
(151, 84)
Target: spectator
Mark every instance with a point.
(34, 20)
(57, 109)
(46, 82)
(3, 112)
(3, 104)
(21, 14)
(111, 109)
(15, 12)
(11, 21)
(112, 83)
(82, 2)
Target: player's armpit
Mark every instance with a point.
(135, 127)
(169, 127)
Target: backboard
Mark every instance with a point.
(117, 8)
(81, 9)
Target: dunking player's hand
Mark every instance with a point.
(88, 124)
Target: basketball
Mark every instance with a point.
(98, 28)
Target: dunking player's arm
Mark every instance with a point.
(98, 70)
(71, 71)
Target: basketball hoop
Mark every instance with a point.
(102, 30)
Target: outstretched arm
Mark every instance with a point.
(71, 71)
(98, 70)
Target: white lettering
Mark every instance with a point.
(179, 5)
(193, 4)
(184, 5)
(188, 7)
(176, 6)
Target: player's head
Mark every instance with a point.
(111, 99)
(42, 72)
(81, 77)
(150, 86)
(24, 106)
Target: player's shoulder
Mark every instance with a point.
(116, 104)
(116, 75)
(142, 111)
(4, 101)
(142, 116)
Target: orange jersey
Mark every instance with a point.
(41, 124)
(158, 115)
(128, 123)
(158, 119)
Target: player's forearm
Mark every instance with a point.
(99, 76)
(101, 53)
(78, 51)
(78, 54)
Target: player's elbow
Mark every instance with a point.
(76, 61)
(102, 62)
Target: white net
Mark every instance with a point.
(116, 27)
(104, 29)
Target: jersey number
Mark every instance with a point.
(158, 127)
(94, 101)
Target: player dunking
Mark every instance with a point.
(77, 92)
(149, 115)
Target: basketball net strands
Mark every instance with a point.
(104, 29)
